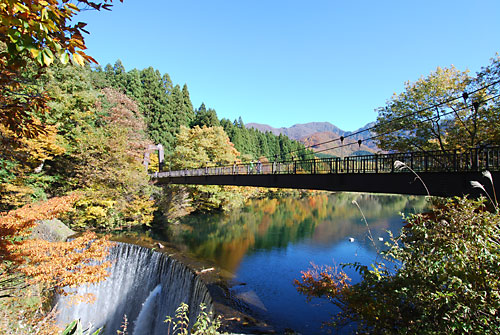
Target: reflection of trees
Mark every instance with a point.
(275, 223)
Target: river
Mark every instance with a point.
(265, 246)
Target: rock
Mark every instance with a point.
(51, 230)
(161, 246)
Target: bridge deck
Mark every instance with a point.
(444, 173)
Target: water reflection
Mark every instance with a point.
(270, 241)
(265, 224)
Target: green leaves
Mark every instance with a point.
(448, 281)
(64, 58)
(35, 34)
(48, 57)
(408, 123)
(75, 328)
(205, 323)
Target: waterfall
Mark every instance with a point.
(146, 315)
(144, 285)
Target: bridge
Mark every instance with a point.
(438, 173)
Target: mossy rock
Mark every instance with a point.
(52, 231)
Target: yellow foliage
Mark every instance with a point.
(93, 210)
(154, 164)
(95, 213)
(96, 209)
(34, 150)
(22, 157)
(13, 195)
(139, 211)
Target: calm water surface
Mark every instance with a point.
(269, 242)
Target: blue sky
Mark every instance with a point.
(285, 62)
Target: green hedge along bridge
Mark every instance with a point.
(444, 173)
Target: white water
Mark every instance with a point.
(147, 314)
(140, 281)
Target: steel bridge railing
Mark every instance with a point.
(476, 159)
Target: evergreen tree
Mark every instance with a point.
(188, 105)
(204, 117)
(154, 105)
(119, 80)
(176, 108)
(134, 88)
(99, 79)
(109, 71)
(167, 84)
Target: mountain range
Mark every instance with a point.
(313, 133)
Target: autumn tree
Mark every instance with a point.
(199, 145)
(107, 161)
(22, 161)
(408, 122)
(481, 122)
(446, 110)
(194, 149)
(26, 263)
(36, 33)
(33, 36)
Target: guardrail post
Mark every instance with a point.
(376, 163)
(347, 158)
(314, 166)
(426, 163)
(294, 167)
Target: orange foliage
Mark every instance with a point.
(61, 264)
(18, 222)
(324, 281)
(55, 264)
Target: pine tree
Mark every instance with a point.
(176, 108)
(134, 88)
(154, 105)
(119, 81)
(204, 117)
(188, 105)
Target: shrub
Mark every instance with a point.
(440, 276)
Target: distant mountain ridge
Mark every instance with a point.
(318, 132)
(298, 131)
